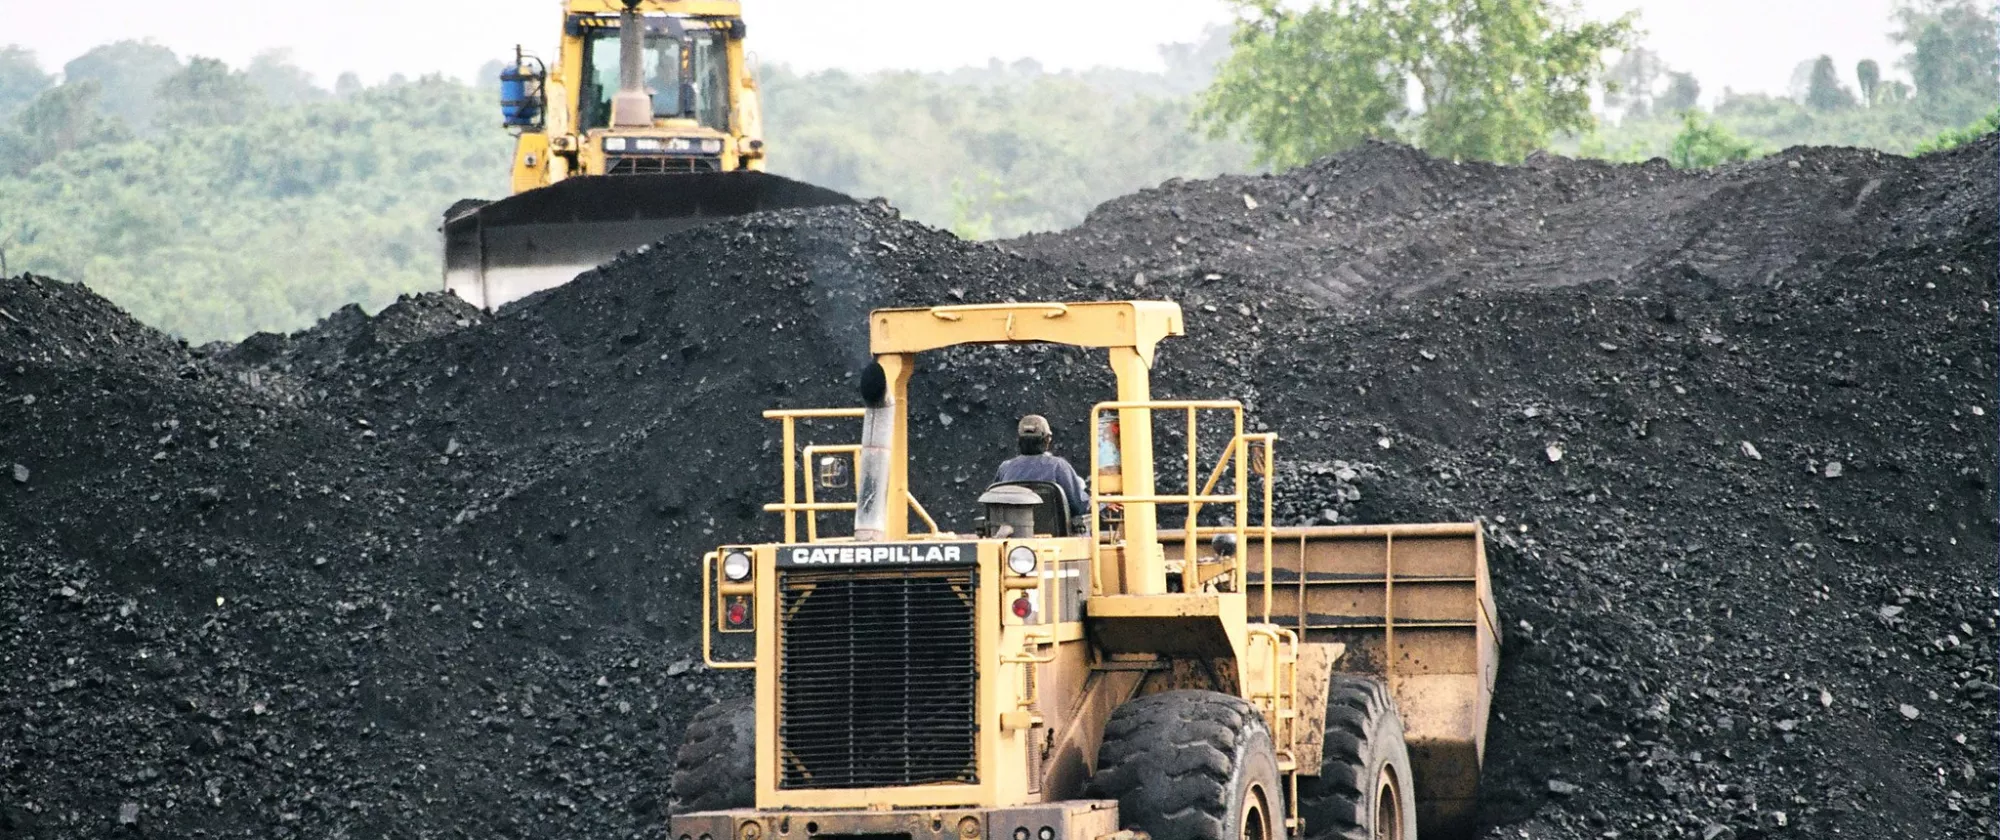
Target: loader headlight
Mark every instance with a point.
(736, 566)
(1021, 560)
(712, 146)
(648, 144)
(615, 144)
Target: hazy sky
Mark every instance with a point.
(1743, 45)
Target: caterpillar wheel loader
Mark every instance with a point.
(648, 122)
(1099, 678)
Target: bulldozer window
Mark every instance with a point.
(663, 75)
(706, 65)
(711, 79)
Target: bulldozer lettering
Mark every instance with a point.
(1064, 676)
(647, 122)
(874, 555)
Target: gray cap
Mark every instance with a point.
(1035, 426)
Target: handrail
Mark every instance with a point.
(806, 507)
(957, 311)
(922, 514)
(791, 507)
(788, 436)
(1193, 499)
(1285, 682)
(811, 413)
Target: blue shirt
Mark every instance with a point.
(1052, 469)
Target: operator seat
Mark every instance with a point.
(1051, 515)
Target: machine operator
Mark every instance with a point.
(1037, 463)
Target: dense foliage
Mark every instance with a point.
(1493, 79)
(1702, 143)
(226, 201)
(228, 215)
(1953, 58)
(1962, 135)
(213, 201)
(994, 151)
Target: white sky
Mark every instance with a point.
(1732, 43)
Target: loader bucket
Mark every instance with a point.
(508, 249)
(1414, 607)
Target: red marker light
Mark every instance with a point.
(1023, 607)
(737, 614)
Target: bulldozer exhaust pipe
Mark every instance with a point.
(632, 106)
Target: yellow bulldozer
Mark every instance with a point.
(647, 122)
(1047, 676)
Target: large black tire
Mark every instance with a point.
(1363, 790)
(715, 768)
(1191, 765)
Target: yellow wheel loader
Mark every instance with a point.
(1043, 677)
(648, 122)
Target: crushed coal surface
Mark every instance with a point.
(433, 572)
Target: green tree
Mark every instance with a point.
(61, 119)
(127, 73)
(1869, 75)
(1191, 66)
(207, 93)
(21, 78)
(1683, 91)
(1954, 53)
(1702, 143)
(1495, 78)
(1960, 136)
(1630, 80)
(1825, 92)
(281, 81)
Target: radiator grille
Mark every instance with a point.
(659, 164)
(877, 681)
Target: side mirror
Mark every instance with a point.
(1259, 454)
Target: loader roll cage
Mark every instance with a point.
(1129, 331)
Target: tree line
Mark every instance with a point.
(213, 201)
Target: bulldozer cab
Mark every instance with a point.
(917, 681)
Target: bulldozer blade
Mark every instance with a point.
(508, 249)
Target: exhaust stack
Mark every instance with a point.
(632, 105)
(877, 426)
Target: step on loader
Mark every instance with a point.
(1042, 677)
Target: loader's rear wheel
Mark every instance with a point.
(1191, 765)
(715, 769)
(1363, 789)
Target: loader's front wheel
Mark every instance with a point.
(1192, 765)
(715, 768)
(1363, 790)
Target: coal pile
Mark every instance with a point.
(433, 573)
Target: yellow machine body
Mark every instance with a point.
(572, 138)
(587, 187)
(1114, 612)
